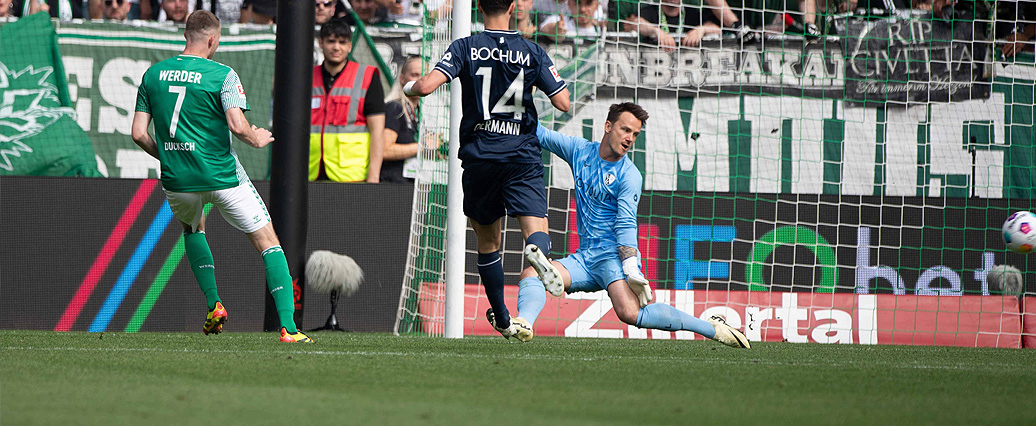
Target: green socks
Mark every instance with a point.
(278, 279)
(200, 258)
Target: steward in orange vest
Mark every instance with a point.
(348, 113)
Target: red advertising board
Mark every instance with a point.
(1029, 322)
(988, 321)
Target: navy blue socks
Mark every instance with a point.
(491, 270)
(541, 240)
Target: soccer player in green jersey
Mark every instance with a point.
(196, 104)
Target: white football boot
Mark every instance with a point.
(519, 329)
(549, 274)
(728, 335)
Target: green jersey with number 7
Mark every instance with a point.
(188, 97)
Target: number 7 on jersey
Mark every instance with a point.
(180, 92)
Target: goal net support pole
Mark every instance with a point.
(455, 225)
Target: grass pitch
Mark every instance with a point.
(152, 379)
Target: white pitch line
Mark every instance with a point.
(512, 356)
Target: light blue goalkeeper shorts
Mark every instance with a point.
(593, 269)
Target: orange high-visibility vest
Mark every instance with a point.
(338, 135)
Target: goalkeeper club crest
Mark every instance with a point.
(609, 178)
(29, 103)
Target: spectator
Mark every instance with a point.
(404, 11)
(1019, 41)
(965, 10)
(348, 145)
(386, 8)
(542, 9)
(138, 9)
(728, 19)
(263, 12)
(173, 11)
(395, 6)
(64, 10)
(580, 20)
(226, 10)
(325, 10)
(718, 9)
(793, 16)
(1016, 27)
(523, 18)
(401, 114)
(618, 11)
(115, 10)
(141, 9)
(671, 18)
(6, 9)
(439, 9)
(369, 11)
(808, 16)
(881, 7)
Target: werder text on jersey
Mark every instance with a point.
(180, 76)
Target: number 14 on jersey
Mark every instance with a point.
(510, 102)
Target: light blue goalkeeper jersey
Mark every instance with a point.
(607, 193)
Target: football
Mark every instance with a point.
(1020, 232)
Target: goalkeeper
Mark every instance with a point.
(607, 193)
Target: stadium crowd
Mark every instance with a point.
(554, 19)
(667, 23)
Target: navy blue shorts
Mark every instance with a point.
(494, 189)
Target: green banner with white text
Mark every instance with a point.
(787, 131)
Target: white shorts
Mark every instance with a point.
(241, 206)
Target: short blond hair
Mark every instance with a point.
(201, 23)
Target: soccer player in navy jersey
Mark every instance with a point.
(503, 170)
(608, 187)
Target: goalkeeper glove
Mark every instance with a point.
(636, 280)
(408, 89)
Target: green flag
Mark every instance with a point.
(38, 132)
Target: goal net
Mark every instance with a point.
(841, 179)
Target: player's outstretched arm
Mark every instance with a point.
(551, 140)
(257, 137)
(140, 135)
(560, 100)
(425, 85)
